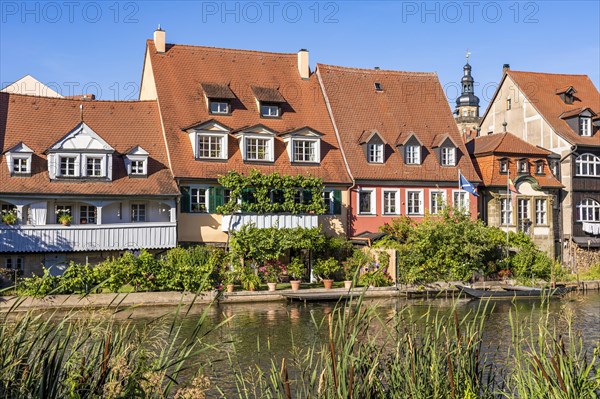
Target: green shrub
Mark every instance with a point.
(326, 268)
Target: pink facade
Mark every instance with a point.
(373, 205)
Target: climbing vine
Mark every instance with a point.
(272, 193)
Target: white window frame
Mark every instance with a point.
(524, 212)
(316, 150)
(75, 158)
(591, 208)
(503, 166)
(591, 163)
(328, 196)
(372, 193)
(135, 216)
(269, 107)
(506, 211)
(539, 168)
(541, 211)
(523, 166)
(412, 154)
(585, 126)
(21, 160)
(464, 201)
(448, 156)
(139, 172)
(199, 189)
(421, 210)
(396, 197)
(375, 152)
(269, 148)
(219, 104)
(88, 208)
(101, 159)
(438, 207)
(223, 142)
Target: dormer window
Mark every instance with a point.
(257, 149)
(210, 140)
(67, 166)
(269, 110)
(94, 167)
(305, 150)
(539, 168)
(585, 126)
(378, 86)
(448, 156)
(20, 165)
(523, 166)
(211, 146)
(138, 167)
(136, 162)
(269, 101)
(375, 153)
(219, 107)
(413, 154)
(504, 166)
(303, 145)
(257, 143)
(218, 97)
(18, 160)
(554, 164)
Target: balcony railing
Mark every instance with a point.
(87, 237)
(269, 220)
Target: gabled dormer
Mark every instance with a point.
(503, 165)
(81, 153)
(269, 101)
(18, 160)
(373, 145)
(446, 150)
(580, 120)
(567, 94)
(411, 148)
(257, 143)
(210, 140)
(136, 162)
(303, 145)
(218, 98)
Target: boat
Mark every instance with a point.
(532, 293)
(320, 296)
(520, 288)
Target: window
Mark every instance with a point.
(588, 210)
(269, 110)
(138, 213)
(328, 200)
(414, 202)
(585, 126)
(460, 200)
(67, 166)
(503, 166)
(378, 86)
(523, 209)
(554, 164)
(305, 151)
(257, 149)
(587, 165)
(465, 112)
(13, 263)
(390, 202)
(539, 168)
(87, 214)
(94, 167)
(437, 201)
(63, 210)
(199, 200)
(219, 107)
(413, 154)
(137, 168)
(541, 206)
(505, 211)
(508, 104)
(366, 203)
(448, 156)
(523, 166)
(375, 153)
(210, 146)
(20, 165)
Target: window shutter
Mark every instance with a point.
(211, 200)
(337, 202)
(184, 205)
(219, 197)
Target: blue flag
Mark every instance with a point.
(466, 185)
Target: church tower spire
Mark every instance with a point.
(467, 104)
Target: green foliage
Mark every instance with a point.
(335, 247)
(9, 216)
(77, 278)
(375, 278)
(296, 268)
(38, 286)
(258, 187)
(356, 262)
(191, 269)
(592, 274)
(249, 279)
(326, 268)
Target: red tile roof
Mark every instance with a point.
(504, 143)
(39, 122)
(541, 90)
(179, 74)
(410, 103)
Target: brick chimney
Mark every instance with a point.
(303, 64)
(160, 40)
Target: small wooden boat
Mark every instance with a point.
(320, 296)
(533, 293)
(520, 288)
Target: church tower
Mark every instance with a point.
(467, 105)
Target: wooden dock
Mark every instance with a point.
(320, 296)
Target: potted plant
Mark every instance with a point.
(64, 217)
(249, 280)
(295, 271)
(9, 217)
(358, 259)
(324, 269)
(270, 272)
(229, 279)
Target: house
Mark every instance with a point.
(235, 110)
(558, 112)
(507, 162)
(102, 164)
(400, 142)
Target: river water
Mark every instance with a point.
(261, 332)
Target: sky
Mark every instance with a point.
(98, 47)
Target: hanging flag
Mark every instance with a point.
(466, 185)
(511, 186)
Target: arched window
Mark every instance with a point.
(588, 210)
(587, 165)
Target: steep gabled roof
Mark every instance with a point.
(43, 121)
(179, 74)
(411, 103)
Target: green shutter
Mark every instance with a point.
(211, 200)
(219, 197)
(184, 205)
(337, 202)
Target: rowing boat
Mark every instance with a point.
(509, 294)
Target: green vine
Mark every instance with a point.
(291, 194)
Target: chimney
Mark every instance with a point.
(505, 68)
(160, 40)
(303, 64)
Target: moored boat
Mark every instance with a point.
(509, 294)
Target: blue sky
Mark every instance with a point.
(98, 47)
